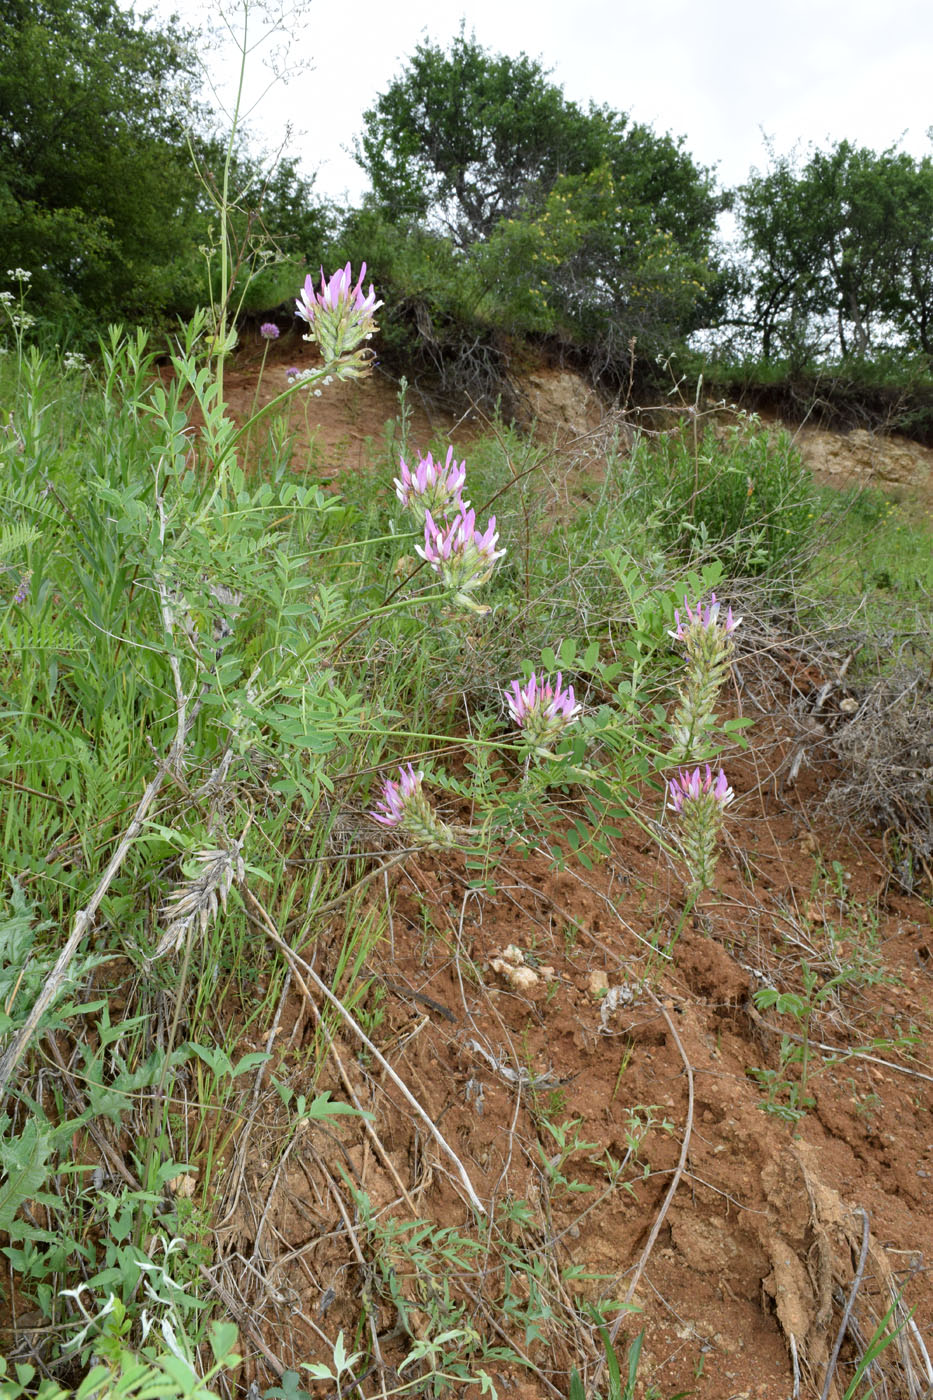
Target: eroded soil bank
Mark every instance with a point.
(601, 1071)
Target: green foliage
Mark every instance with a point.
(617, 1389)
(463, 139)
(840, 254)
(742, 493)
(594, 263)
(119, 1373)
(108, 185)
(528, 214)
(93, 109)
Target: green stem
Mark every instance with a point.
(220, 328)
(252, 412)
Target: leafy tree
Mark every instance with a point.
(276, 226)
(839, 253)
(591, 265)
(464, 138)
(100, 198)
(94, 184)
(572, 222)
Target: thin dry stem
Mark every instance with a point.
(293, 958)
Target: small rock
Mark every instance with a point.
(598, 985)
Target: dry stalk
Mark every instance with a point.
(297, 962)
(239, 1164)
(85, 917)
(845, 1052)
(850, 1303)
(357, 1250)
(184, 721)
(197, 900)
(665, 1204)
(243, 1321)
(370, 1131)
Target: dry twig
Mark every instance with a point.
(297, 962)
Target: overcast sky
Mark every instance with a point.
(723, 74)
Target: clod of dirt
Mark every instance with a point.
(598, 984)
(512, 968)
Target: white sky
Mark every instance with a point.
(720, 73)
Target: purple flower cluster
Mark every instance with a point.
(693, 787)
(461, 554)
(339, 315)
(396, 796)
(337, 294)
(405, 805)
(707, 638)
(431, 487)
(706, 616)
(541, 710)
(269, 330)
(699, 800)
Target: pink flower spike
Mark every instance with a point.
(396, 796)
(432, 487)
(406, 805)
(339, 316)
(542, 710)
(690, 787)
(704, 618)
(464, 557)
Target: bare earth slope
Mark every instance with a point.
(595, 1080)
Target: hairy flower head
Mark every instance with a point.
(405, 805)
(541, 710)
(700, 801)
(690, 787)
(461, 554)
(339, 315)
(706, 616)
(431, 486)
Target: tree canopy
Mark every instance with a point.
(93, 165)
(100, 198)
(573, 221)
(839, 253)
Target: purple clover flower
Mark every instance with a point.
(405, 805)
(689, 788)
(336, 292)
(463, 555)
(22, 592)
(542, 710)
(432, 487)
(706, 617)
(340, 315)
(269, 330)
(396, 796)
(700, 801)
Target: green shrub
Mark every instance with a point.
(742, 492)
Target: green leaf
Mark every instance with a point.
(321, 1108)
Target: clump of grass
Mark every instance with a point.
(739, 491)
(881, 552)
